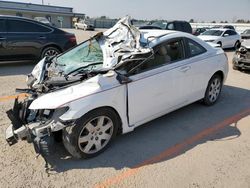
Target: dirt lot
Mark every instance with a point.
(196, 146)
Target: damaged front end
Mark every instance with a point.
(241, 59)
(82, 71)
(34, 126)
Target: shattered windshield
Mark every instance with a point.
(213, 32)
(85, 54)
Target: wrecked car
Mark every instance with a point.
(111, 84)
(241, 59)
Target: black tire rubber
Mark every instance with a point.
(235, 67)
(71, 133)
(206, 100)
(220, 43)
(49, 48)
(237, 45)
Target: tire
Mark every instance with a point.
(87, 139)
(220, 43)
(235, 67)
(50, 51)
(237, 45)
(213, 90)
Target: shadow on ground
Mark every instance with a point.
(20, 68)
(156, 136)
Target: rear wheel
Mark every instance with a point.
(213, 90)
(91, 134)
(237, 45)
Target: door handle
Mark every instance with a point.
(42, 37)
(185, 68)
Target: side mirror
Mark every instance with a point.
(123, 79)
(225, 35)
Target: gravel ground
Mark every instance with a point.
(219, 160)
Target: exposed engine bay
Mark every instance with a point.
(241, 59)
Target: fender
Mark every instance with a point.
(99, 91)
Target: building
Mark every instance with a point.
(58, 16)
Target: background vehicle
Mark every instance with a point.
(90, 97)
(226, 38)
(82, 24)
(43, 20)
(198, 31)
(224, 27)
(241, 59)
(246, 34)
(170, 25)
(26, 39)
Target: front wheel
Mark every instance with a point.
(50, 52)
(213, 90)
(219, 43)
(91, 134)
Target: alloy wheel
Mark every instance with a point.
(214, 89)
(50, 53)
(96, 134)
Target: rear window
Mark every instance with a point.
(24, 26)
(195, 48)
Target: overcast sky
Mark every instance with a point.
(200, 10)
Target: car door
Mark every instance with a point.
(4, 53)
(228, 39)
(25, 39)
(234, 37)
(160, 84)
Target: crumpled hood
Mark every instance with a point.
(61, 97)
(121, 42)
(208, 37)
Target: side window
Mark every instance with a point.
(226, 33)
(23, 26)
(170, 26)
(232, 32)
(169, 52)
(2, 26)
(195, 48)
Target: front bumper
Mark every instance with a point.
(241, 63)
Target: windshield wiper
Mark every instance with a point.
(83, 67)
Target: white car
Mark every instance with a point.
(84, 25)
(113, 83)
(226, 38)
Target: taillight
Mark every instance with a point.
(72, 39)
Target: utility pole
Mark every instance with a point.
(42, 2)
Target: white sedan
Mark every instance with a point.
(226, 38)
(113, 83)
